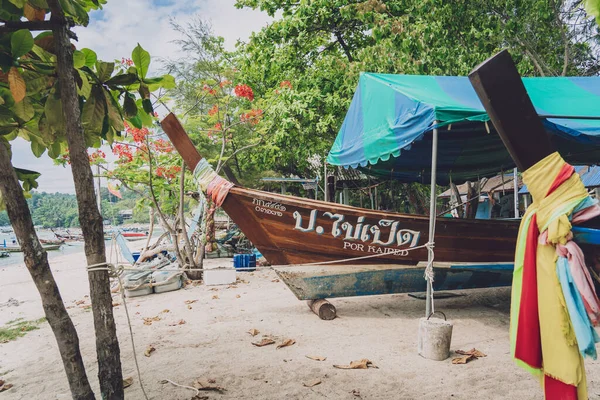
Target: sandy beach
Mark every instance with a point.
(209, 339)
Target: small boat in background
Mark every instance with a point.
(52, 242)
(17, 249)
(4, 254)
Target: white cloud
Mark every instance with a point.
(115, 31)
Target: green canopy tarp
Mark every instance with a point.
(386, 131)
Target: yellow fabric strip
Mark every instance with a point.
(561, 358)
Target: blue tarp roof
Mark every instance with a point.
(386, 131)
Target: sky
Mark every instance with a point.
(114, 31)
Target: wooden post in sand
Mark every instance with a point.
(324, 309)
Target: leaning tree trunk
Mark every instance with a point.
(107, 345)
(36, 261)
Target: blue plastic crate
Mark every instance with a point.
(244, 262)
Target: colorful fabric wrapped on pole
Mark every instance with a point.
(554, 305)
(211, 183)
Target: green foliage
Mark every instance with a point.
(30, 104)
(321, 47)
(592, 7)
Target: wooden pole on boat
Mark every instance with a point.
(503, 95)
(432, 214)
(325, 181)
(324, 309)
(182, 142)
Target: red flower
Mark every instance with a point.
(162, 146)
(252, 117)
(244, 91)
(96, 156)
(213, 110)
(218, 126)
(210, 90)
(124, 152)
(286, 84)
(225, 83)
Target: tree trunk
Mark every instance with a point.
(107, 345)
(36, 261)
(211, 244)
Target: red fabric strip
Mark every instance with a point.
(557, 390)
(528, 347)
(565, 173)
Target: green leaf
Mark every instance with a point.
(94, 110)
(29, 178)
(168, 81)
(18, 3)
(75, 10)
(122, 79)
(90, 57)
(39, 4)
(7, 130)
(114, 114)
(21, 43)
(145, 118)
(78, 59)
(104, 70)
(136, 121)
(141, 59)
(24, 110)
(54, 113)
(85, 88)
(37, 148)
(129, 106)
(54, 150)
(147, 104)
(144, 91)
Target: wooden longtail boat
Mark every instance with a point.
(289, 231)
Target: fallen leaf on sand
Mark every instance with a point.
(116, 304)
(275, 280)
(264, 342)
(463, 359)
(472, 352)
(180, 322)
(166, 310)
(317, 358)
(207, 384)
(312, 383)
(190, 301)
(149, 320)
(6, 386)
(215, 297)
(149, 350)
(79, 302)
(254, 332)
(214, 289)
(127, 382)
(232, 287)
(237, 296)
(286, 343)
(360, 364)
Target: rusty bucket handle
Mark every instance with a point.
(437, 312)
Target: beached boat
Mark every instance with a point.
(17, 249)
(290, 230)
(51, 241)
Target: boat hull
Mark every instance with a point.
(319, 282)
(290, 230)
